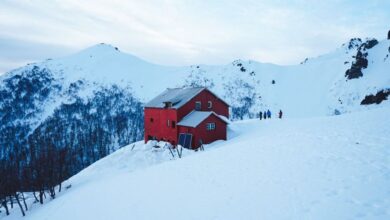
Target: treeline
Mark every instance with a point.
(242, 96)
(38, 157)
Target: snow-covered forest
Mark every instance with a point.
(39, 151)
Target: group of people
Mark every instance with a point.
(268, 114)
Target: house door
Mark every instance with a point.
(185, 140)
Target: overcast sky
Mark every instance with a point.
(181, 32)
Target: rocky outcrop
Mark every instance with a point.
(377, 98)
(361, 62)
(354, 43)
(369, 44)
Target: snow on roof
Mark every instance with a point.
(178, 97)
(194, 118)
(224, 118)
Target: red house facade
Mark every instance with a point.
(186, 116)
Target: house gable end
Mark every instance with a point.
(218, 106)
(195, 118)
(212, 116)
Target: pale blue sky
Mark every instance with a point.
(183, 32)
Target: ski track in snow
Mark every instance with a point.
(317, 168)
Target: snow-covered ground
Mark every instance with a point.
(317, 168)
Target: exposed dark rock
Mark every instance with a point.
(388, 35)
(242, 69)
(376, 99)
(354, 73)
(361, 61)
(273, 81)
(369, 44)
(354, 43)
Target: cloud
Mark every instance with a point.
(14, 53)
(176, 32)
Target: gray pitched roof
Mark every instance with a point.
(194, 118)
(178, 97)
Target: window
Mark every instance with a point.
(168, 123)
(198, 106)
(210, 126)
(209, 104)
(173, 124)
(151, 119)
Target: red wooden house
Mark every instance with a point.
(186, 116)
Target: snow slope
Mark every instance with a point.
(316, 87)
(315, 168)
(104, 64)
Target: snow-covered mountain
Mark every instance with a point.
(317, 86)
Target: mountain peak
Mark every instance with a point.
(107, 52)
(106, 46)
(101, 48)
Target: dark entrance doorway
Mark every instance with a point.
(185, 140)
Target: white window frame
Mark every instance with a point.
(168, 123)
(210, 126)
(209, 104)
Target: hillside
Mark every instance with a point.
(316, 168)
(317, 87)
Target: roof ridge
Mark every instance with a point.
(180, 96)
(194, 118)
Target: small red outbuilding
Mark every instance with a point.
(186, 116)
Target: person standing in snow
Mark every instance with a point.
(280, 113)
(269, 113)
(261, 115)
(265, 115)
